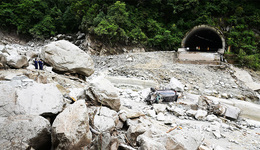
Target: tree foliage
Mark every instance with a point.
(154, 23)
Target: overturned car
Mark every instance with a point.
(157, 96)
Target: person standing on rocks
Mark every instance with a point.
(35, 63)
(40, 64)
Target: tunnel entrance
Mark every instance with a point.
(205, 39)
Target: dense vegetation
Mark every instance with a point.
(153, 23)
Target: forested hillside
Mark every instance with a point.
(153, 23)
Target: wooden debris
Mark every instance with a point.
(171, 129)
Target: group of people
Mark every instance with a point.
(38, 64)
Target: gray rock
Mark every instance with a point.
(159, 108)
(211, 118)
(67, 57)
(232, 112)
(123, 116)
(177, 111)
(134, 131)
(22, 131)
(38, 99)
(151, 113)
(13, 58)
(104, 123)
(147, 143)
(154, 139)
(104, 92)
(105, 118)
(191, 113)
(176, 84)
(201, 114)
(70, 129)
(33, 99)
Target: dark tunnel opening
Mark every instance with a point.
(203, 39)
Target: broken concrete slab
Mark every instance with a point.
(248, 110)
(232, 112)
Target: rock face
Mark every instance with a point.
(23, 131)
(70, 129)
(104, 92)
(66, 57)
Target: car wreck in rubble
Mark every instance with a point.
(157, 96)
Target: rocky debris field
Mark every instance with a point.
(69, 106)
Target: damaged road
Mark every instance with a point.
(205, 109)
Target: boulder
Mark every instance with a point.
(134, 131)
(103, 91)
(64, 56)
(24, 131)
(12, 58)
(70, 129)
(38, 99)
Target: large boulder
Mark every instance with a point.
(103, 91)
(10, 56)
(39, 99)
(70, 129)
(24, 131)
(28, 97)
(66, 57)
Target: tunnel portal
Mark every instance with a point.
(205, 39)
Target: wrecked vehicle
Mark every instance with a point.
(157, 96)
